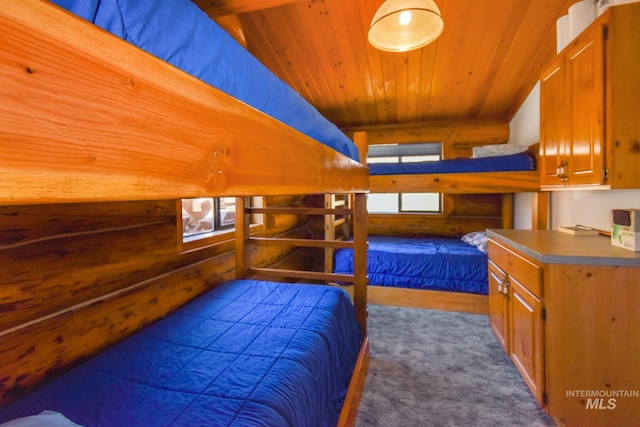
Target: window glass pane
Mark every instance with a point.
(387, 159)
(405, 149)
(410, 159)
(420, 202)
(197, 216)
(383, 202)
(227, 211)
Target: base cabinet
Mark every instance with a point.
(516, 313)
(526, 339)
(566, 309)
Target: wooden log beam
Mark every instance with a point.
(224, 7)
(457, 183)
(85, 116)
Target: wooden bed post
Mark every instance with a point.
(507, 210)
(243, 221)
(360, 139)
(540, 216)
(361, 279)
(329, 231)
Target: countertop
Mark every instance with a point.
(554, 247)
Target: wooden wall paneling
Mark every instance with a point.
(523, 70)
(277, 224)
(37, 351)
(350, 60)
(463, 213)
(392, 225)
(481, 67)
(64, 268)
(29, 223)
(476, 205)
(298, 259)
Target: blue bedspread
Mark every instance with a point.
(178, 32)
(514, 162)
(246, 353)
(445, 264)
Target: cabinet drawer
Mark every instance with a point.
(524, 271)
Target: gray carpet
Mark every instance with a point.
(438, 368)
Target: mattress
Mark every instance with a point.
(445, 264)
(510, 163)
(181, 34)
(246, 353)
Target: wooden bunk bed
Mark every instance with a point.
(88, 117)
(472, 299)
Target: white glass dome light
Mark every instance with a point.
(403, 25)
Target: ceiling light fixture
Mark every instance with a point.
(403, 25)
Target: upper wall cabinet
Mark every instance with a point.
(589, 100)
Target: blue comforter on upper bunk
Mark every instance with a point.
(246, 353)
(178, 32)
(436, 263)
(510, 163)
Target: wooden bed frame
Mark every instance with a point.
(505, 183)
(87, 117)
(458, 183)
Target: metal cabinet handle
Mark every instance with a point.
(504, 286)
(560, 171)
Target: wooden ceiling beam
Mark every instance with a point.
(225, 7)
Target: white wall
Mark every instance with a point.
(524, 129)
(585, 207)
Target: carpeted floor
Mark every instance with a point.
(438, 368)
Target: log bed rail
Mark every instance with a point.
(85, 116)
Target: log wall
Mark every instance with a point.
(75, 278)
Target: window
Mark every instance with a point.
(405, 202)
(207, 221)
(203, 217)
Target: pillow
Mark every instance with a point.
(498, 150)
(43, 419)
(478, 239)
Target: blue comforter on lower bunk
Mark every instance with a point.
(445, 264)
(510, 163)
(178, 32)
(246, 353)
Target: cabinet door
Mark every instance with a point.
(584, 75)
(552, 124)
(499, 305)
(526, 337)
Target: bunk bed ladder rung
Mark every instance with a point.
(300, 211)
(298, 274)
(300, 242)
(335, 205)
(356, 208)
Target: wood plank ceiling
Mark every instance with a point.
(481, 68)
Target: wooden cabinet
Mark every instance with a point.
(589, 132)
(572, 324)
(516, 313)
(499, 304)
(526, 337)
